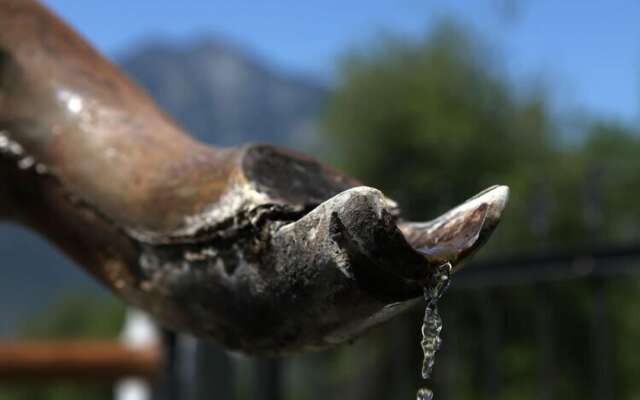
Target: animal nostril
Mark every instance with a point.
(5, 61)
(4, 57)
(6, 65)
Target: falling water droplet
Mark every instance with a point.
(431, 341)
(424, 394)
(432, 324)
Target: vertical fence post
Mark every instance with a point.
(214, 373)
(168, 385)
(600, 337)
(451, 356)
(540, 224)
(601, 344)
(544, 338)
(268, 383)
(490, 317)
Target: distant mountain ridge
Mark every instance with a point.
(221, 95)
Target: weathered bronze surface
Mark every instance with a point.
(262, 249)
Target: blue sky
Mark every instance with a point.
(587, 52)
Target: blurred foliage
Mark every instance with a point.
(78, 316)
(433, 121)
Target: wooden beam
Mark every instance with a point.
(76, 361)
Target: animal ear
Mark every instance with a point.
(458, 233)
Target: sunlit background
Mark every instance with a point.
(430, 101)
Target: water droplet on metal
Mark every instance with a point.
(4, 140)
(8, 146)
(26, 163)
(15, 148)
(72, 101)
(41, 169)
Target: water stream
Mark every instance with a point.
(432, 325)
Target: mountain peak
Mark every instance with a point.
(224, 94)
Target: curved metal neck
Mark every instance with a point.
(76, 115)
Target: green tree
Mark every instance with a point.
(434, 120)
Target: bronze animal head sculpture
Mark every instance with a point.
(262, 249)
